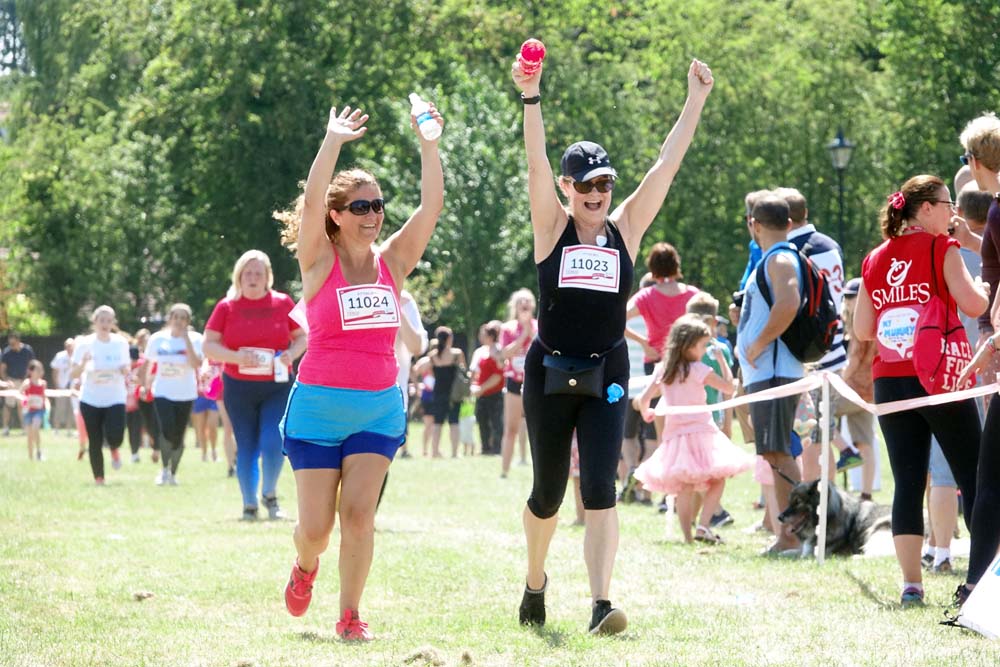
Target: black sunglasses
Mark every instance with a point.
(603, 184)
(964, 159)
(362, 206)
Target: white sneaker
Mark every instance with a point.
(171, 480)
(161, 477)
(135, 457)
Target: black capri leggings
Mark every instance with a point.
(173, 417)
(103, 425)
(551, 420)
(985, 513)
(908, 441)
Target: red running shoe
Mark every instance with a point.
(351, 628)
(298, 592)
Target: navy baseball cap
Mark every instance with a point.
(585, 160)
(852, 287)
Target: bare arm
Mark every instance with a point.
(784, 277)
(214, 349)
(548, 217)
(864, 316)
(636, 213)
(716, 381)
(972, 296)
(403, 249)
(193, 358)
(341, 128)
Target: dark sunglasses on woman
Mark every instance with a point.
(362, 206)
(603, 184)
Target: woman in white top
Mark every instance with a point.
(102, 360)
(176, 351)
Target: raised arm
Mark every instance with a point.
(341, 128)
(634, 215)
(403, 249)
(548, 217)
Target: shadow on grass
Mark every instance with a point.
(867, 591)
(554, 638)
(317, 638)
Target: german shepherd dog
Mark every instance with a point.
(849, 522)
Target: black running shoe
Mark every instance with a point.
(720, 519)
(532, 610)
(962, 594)
(607, 620)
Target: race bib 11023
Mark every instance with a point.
(368, 307)
(589, 267)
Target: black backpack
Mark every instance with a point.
(810, 335)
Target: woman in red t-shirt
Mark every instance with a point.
(487, 387)
(250, 331)
(898, 281)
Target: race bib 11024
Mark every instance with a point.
(368, 307)
(589, 267)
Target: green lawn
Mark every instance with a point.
(444, 587)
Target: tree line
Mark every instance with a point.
(149, 142)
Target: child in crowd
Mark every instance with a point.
(205, 409)
(694, 455)
(33, 403)
(467, 427)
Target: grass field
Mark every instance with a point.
(444, 588)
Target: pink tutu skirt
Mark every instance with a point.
(695, 458)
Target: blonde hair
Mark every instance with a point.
(702, 303)
(523, 293)
(103, 310)
(981, 137)
(179, 307)
(234, 291)
(337, 194)
(684, 334)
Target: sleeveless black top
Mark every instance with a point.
(579, 321)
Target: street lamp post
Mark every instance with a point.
(840, 155)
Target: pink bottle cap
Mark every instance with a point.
(531, 56)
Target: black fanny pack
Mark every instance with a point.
(581, 376)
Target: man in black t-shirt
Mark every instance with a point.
(13, 369)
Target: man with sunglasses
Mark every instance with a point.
(585, 254)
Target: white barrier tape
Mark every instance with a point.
(814, 381)
(807, 383)
(49, 393)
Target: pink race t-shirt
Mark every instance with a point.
(659, 311)
(352, 333)
(259, 323)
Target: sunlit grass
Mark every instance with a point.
(446, 581)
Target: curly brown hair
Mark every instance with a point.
(338, 193)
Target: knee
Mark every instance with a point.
(356, 522)
(597, 496)
(313, 533)
(543, 505)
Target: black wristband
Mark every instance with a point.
(530, 100)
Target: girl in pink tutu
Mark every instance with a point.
(694, 455)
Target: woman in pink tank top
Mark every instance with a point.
(345, 416)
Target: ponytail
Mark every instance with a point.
(903, 205)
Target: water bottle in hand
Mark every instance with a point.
(531, 56)
(429, 128)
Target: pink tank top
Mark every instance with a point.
(352, 332)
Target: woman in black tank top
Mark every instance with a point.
(585, 256)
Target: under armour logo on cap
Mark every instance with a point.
(585, 160)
